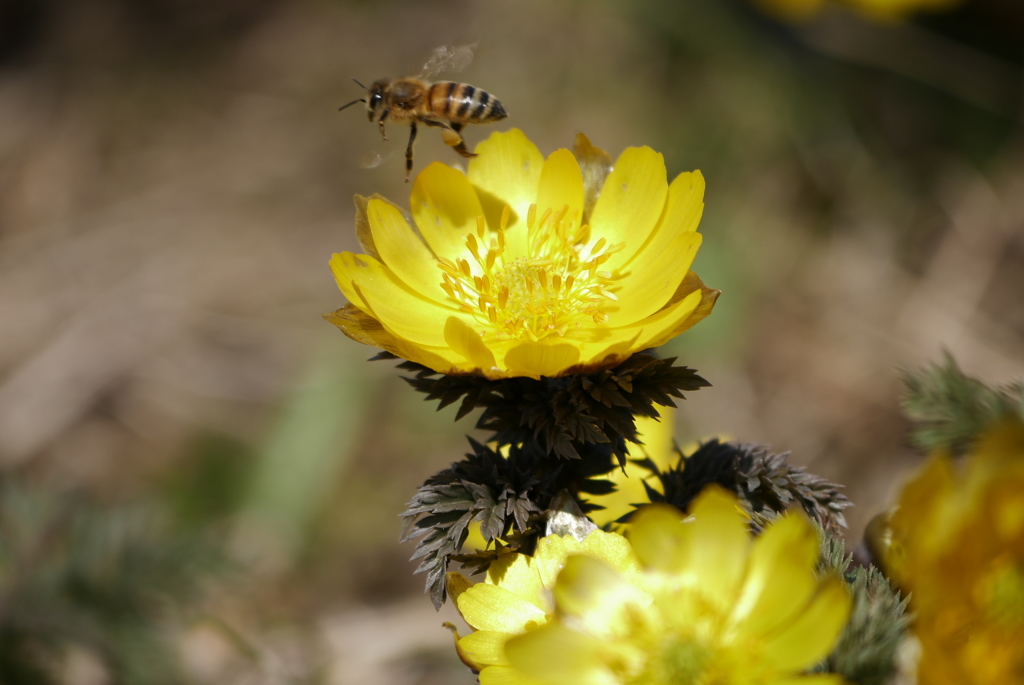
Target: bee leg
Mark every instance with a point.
(450, 136)
(460, 146)
(380, 123)
(408, 151)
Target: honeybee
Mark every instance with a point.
(446, 105)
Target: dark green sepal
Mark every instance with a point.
(765, 482)
(950, 409)
(866, 651)
(563, 414)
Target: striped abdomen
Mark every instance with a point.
(463, 103)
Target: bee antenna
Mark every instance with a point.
(351, 103)
(360, 84)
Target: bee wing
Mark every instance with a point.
(452, 58)
(373, 159)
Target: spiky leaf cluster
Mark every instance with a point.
(765, 482)
(505, 494)
(483, 487)
(563, 414)
(950, 409)
(866, 651)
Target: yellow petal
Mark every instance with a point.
(457, 584)
(344, 266)
(507, 172)
(684, 206)
(720, 534)
(660, 539)
(780, 577)
(461, 337)
(654, 279)
(812, 679)
(485, 647)
(599, 354)
(600, 601)
(489, 607)
(541, 359)
(658, 438)
(648, 332)
(550, 556)
(595, 164)
(364, 234)
(445, 208)
(361, 327)
(658, 445)
(397, 307)
(441, 359)
(708, 297)
(629, 490)
(505, 675)
(632, 199)
(810, 637)
(561, 190)
(613, 549)
(556, 654)
(517, 573)
(403, 251)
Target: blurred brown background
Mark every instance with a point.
(174, 177)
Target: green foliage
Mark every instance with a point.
(102, 579)
(950, 409)
(765, 482)
(866, 651)
(212, 481)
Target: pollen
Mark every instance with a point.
(548, 292)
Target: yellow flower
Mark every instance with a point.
(883, 10)
(659, 447)
(516, 271)
(694, 601)
(516, 597)
(958, 547)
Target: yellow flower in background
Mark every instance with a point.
(958, 548)
(516, 597)
(657, 436)
(517, 271)
(685, 600)
(884, 10)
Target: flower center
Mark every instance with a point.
(1003, 588)
(557, 286)
(680, 661)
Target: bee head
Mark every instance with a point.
(375, 98)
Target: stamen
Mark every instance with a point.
(554, 288)
(544, 218)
